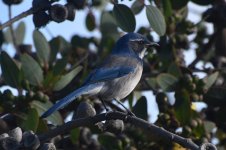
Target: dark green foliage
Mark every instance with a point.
(124, 17)
(140, 108)
(49, 70)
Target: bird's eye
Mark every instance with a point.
(141, 42)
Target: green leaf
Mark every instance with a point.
(182, 106)
(210, 80)
(32, 120)
(110, 142)
(215, 97)
(20, 33)
(124, 17)
(42, 126)
(2, 39)
(10, 71)
(167, 82)
(137, 6)
(57, 44)
(152, 82)
(74, 135)
(167, 8)
(140, 108)
(7, 36)
(31, 69)
(108, 25)
(174, 70)
(42, 47)
(90, 21)
(64, 80)
(41, 107)
(130, 100)
(59, 66)
(178, 4)
(156, 19)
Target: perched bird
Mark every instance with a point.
(117, 76)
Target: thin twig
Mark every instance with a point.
(204, 50)
(23, 15)
(49, 32)
(16, 18)
(12, 31)
(82, 59)
(142, 124)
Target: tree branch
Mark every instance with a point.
(22, 15)
(142, 124)
(204, 50)
(16, 18)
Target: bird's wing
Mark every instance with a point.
(103, 74)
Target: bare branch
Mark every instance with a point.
(142, 124)
(22, 15)
(204, 50)
(18, 17)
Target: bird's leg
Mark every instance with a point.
(102, 101)
(128, 111)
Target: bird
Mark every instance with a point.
(116, 77)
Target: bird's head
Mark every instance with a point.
(133, 43)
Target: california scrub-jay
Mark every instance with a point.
(117, 76)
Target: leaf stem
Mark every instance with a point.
(12, 31)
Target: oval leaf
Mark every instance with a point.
(42, 47)
(215, 97)
(167, 82)
(90, 21)
(210, 80)
(108, 25)
(179, 4)
(74, 135)
(124, 17)
(7, 36)
(41, 107)
(182, 106)
(10, 71)
(137, 6)
(140, 108)
(32, 120)
(174, 70)
(20, 33)
(57, 44)
(31, 69)
(64, 80)
(156, 19)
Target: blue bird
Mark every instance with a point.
(117, 76)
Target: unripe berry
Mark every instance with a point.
(85, 110)
(58, 13)
(114, 126)
(12, 2)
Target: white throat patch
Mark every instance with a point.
(142, 53)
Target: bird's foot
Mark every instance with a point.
(130, 113)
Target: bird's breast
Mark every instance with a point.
(121, 87)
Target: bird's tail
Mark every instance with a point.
(90, 89)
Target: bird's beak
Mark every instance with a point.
(151, 44)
